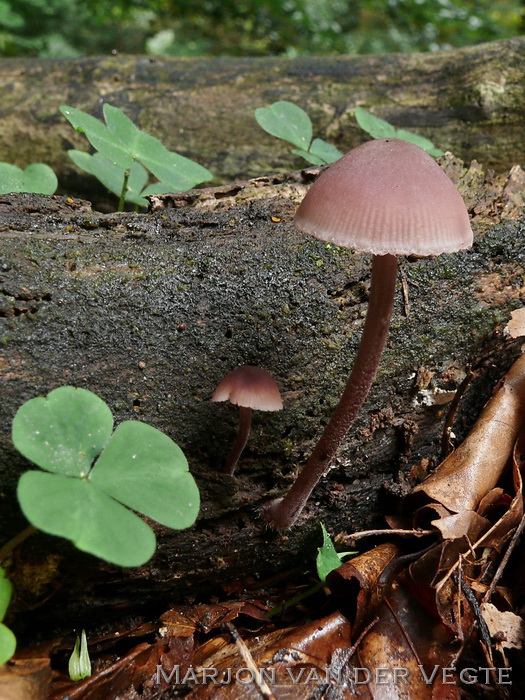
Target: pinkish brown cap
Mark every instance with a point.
(251, 387)
(386, 196)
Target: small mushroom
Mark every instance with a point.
(250, 388)
(386, 197)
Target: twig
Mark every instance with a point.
(261, 685)
(404, 286)
(486, 643)
(446, 444)
(347, 539)
(503, 563)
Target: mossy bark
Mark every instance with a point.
(469, 101)
(151, 311)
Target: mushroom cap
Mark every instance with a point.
(386, 196)
(251, 387)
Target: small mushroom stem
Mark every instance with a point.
(282, 513)
(245, 424)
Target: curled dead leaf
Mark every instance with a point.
(355, 583)
(473, 469)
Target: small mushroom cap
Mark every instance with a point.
(386, 196)
(251, 387)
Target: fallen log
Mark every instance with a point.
(469, 101)
(151, 311)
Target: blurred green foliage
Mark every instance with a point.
(69, 28)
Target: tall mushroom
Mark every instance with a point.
(249, 388)
(386, 197)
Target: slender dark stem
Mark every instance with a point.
(245, 424)
(282, 513)
(8, 547)
(122, 198)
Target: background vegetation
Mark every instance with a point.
(70, 28)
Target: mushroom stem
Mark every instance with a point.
(245, 424)
(282, 513)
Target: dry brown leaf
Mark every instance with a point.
(408, 639)
(473, 469)
(293, 663)
(516, 326)
(185, 620)
(453, 527)
(503, 528)
(435, 575)
(130, 671)
(504, 626)
(354, 583)
(25, 679)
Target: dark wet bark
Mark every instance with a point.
(151, 311)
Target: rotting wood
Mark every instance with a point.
(469, 101)
(151, 311)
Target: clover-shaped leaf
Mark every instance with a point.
(7, 643)
(36, 177)
(112, 177)
(64, 431)
(286, 121)
(99, 136)
(7, 638)
(124, 151)
(289, 122)
(380, 129)
(97, 474)
(94, 522)
(169, 494)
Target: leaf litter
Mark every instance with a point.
(431, 610)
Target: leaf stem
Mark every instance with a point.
(296, 599)
(8, 547)
(124, 191)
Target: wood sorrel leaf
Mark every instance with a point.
(144, 469)
(37, 177)
(286, 121)
(138, 467)
(77, 510)
(111, 176)
(64, 431)
(100, 137)
(7, 643)
(123, 143)
(308, 156)
(178, 172)
(326, 151)
(6, 590)
(157, 188)
(420, 141)
(380, 129)
(121, 126)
